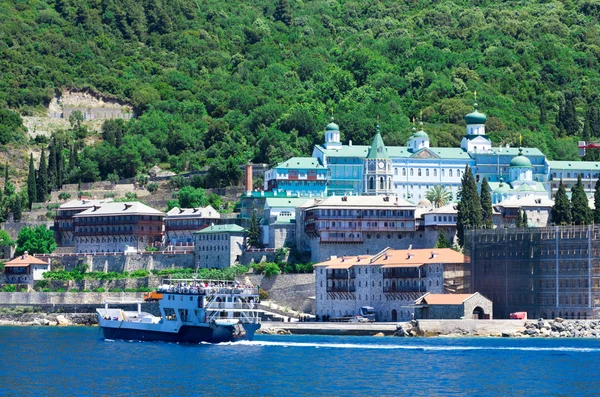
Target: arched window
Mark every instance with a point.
(427, 172)
(411, 172)
(371, 183)
(419, 172)
(403, 171)
(450, 173)
(381, 183)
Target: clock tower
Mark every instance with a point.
(377, 170)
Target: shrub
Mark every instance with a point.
(109, 195)
(139, 273)
(263, 295)
(52, 206)
(81, 194)
(10, 288)
(100, 289)
(73, 290)
(152, 187)
(50, 214)
(64, 196)
(131, 196)
(151, 249)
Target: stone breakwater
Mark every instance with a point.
(559, 328)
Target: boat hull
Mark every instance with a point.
(186, 334)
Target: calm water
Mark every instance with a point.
(75, 361)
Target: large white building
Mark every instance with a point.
(389, 281)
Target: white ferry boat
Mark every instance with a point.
(191, 311)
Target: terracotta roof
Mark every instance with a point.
(418, 257)
(444, 299)
(398, 258)
(24, 260)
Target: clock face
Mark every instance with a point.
(381, 164)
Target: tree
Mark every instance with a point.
(438, 195)
(525, 221)
(42, 178)
(487, 212)
(442, 241)
(597, 202)
(16, 207)
(255, 232)
(5, 240)
(31, 186)
(580, 208)
(52, 169)
(519, 220)
(469, 206)
(35, 240)
(190, 197)
(64, 196)
(561, 210)
(283, 12)
(9, 188)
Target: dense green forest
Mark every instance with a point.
(217, 83)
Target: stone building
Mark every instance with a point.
(279, 222)
(547, 271)
(25, 269)
(114, 227)
(537, 209)
(63, 223)
(390, 281)
(181, 223)
(453, 307)
(356, 225)
(219, 246)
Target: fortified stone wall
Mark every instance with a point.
(248, 258)
(66, 298)
(121, 263)
(296, 291)
(13, 228)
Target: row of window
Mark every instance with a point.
(363, 213)
(126, 228)
(434, 172)
(213, 248)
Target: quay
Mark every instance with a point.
(319, 328)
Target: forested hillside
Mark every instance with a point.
(219, 83)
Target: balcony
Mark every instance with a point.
(350, 288)
(410, 288)
(343, 275)
(341, 240)
(404, 273)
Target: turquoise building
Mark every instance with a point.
(413, 170)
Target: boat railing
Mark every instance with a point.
(231, 305)
(208, 290)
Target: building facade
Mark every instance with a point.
(389, 281)
(453, 307)
(219, 246)
(63, 223)
(25, 269)
(115, 227)
(547, 271)
(181, 223)
(298, 176)
(357, 224)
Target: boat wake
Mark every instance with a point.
(412, 347)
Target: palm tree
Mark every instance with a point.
(439, 196)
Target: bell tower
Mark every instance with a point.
(377, 171)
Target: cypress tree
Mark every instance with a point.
(442, 241)
(487, 211)
(561, 210)
(52, 169)
(525, 221)
(16, 207)
(9, 188)
(31, 185)
(254, 233)
(42, 181)
(469, 207)
(580, 208)
(597, 202)
(60, 169)
(519, 220)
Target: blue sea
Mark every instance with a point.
(76, 361)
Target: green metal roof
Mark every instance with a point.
(520, 161)
(230, 228)
(278, 202)
(332, 127)
(420, 134)
(574, 165)
(475, 117)
(378, 150)
(300, 162)
(359, 151)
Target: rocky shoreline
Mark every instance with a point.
(48, 319)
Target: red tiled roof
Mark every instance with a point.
(24, 260)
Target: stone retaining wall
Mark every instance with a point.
(121, 263)
(296, 291)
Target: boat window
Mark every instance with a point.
(170, 314)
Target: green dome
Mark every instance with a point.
(420, 134)
(520, 161)
(332, 127)
(476, 117)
